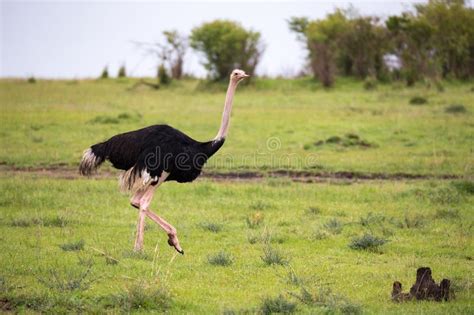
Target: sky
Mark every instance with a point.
(77, 39)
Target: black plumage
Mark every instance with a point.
(154, 149)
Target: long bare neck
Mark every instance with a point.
(224, 129)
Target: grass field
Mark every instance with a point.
(275, 125)
(310, 225)
(255, 245)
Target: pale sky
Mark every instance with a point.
(76, 39)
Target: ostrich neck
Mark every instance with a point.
(224, 129)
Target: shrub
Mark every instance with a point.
(104, 120)
(329, 302)
(272, 256)
(220, 259)
(464, 186)
(370, 83)
(58, 221)
(255, 220)
(144, 296)
(163, 76)
(313, 210)
(367, 242)
(122, 73)
(277, 305)
(31, 80)
(105, 73)
(68, 279)
(226, 45)
(73, 246)
(211, 227)
(334, 226)
(418, 100)
(456, 109)
(447, 214)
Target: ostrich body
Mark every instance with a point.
(155, 154)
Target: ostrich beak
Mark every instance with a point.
(246, 75)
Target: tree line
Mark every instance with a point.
(433, 41)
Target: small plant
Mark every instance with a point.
(68, 280)
(370, 83)
(220, 259)
(371, 219)
(252, 238)
(104, 119)
(25, 222)
(144, 296)
(456, 109)
(211, 227)
(255, 220)
(293, 278)
(320, 234)
(163, 76)
(367, 242)
(259, 205)
(122, 73)
(464, 186)
(418, 100)
(272, 256)
(313, 211)
(58, 221)
(447, 214)
(105, 73)
(329, 302)
(136, 255)
(334, 226)
(412, 221)
(277, 305)
(73, 246)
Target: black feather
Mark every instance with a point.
(156, 149)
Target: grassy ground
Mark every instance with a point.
(251, 246)
(276, 124)
(65, 246)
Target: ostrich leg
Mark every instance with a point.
(144, 211)
(141, 200)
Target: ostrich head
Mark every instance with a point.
(238, 75)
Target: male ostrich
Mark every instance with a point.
(155, 154)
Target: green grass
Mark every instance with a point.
(36, 274)
(256, 246)
(275, 123)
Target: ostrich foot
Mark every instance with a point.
(173, 242)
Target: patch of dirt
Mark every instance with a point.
(64, 172)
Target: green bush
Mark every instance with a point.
(367, 242)
(456, 109)
(278, 305)
(73, 246)
(220, 259)
(122, 73)
(105, 73)
(163, 75)
(226, 45)
(418, 100)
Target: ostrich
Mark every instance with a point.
(155, 154)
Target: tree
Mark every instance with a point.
(452, 22)
(177, 45)
(226, 45)
(322, 41)
(170, 54)
(122, 73)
